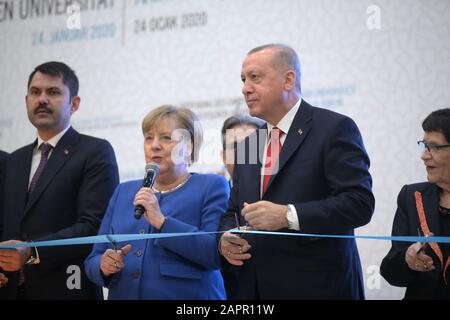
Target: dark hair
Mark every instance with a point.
(438, 121)
(58, 69)
(238, 120)
(285, 58)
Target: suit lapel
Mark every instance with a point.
(59, 156)
(23, 168)
(298, 131)
(430, 200)
(254, 157)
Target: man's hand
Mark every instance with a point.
(265, 215)
(234, 248)
(13, 259)
(3, 280)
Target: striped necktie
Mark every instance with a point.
(45, 150)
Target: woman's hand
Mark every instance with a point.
(146, 198)
(417, 260)
(112, 261)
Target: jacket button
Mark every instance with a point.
(139, 253)
(142, 231)
(136, 274)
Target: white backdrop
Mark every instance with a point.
(384, 63)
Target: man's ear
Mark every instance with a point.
(289, 79)
(75, 104)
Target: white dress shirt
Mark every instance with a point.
(284, 125)
(37, 152)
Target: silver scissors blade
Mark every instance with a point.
(114, 244)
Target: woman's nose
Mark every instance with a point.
(426, 155)
(156, 144)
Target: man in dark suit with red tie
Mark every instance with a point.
(310, 176)
(58, 187)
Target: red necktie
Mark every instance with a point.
(272, 154)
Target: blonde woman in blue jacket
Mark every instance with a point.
(166, 268)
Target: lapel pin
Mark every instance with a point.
(66, 152)
(300, 131)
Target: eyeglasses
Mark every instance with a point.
(431, 147)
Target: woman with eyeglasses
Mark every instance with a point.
(424, 209)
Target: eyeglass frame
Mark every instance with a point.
(432, 148)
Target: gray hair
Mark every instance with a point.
(285, 58)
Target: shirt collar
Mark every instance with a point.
(53, 141)
(286, 122)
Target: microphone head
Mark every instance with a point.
(152, 166)
(151, 171)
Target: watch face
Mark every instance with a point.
(31, 260)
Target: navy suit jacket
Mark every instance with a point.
(3, 156)
(69, 201)
(419, 285)
(323, 172)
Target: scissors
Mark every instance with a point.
(424, 245)
(239, 226)
(113, 243)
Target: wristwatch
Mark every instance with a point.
(31, 260)
(34, 258)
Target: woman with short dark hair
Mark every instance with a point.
(424, 209)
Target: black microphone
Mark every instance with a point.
(151, 171)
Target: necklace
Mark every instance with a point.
(182, 183)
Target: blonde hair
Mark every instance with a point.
(185, 118)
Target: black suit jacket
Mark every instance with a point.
(69, 201)
(419, 285)
(323, 172)
(3, 156)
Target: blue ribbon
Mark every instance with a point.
(135, 237)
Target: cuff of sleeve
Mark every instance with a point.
(292, 218)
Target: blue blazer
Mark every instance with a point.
(323, 172)
(69, 201)
(166, 268)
